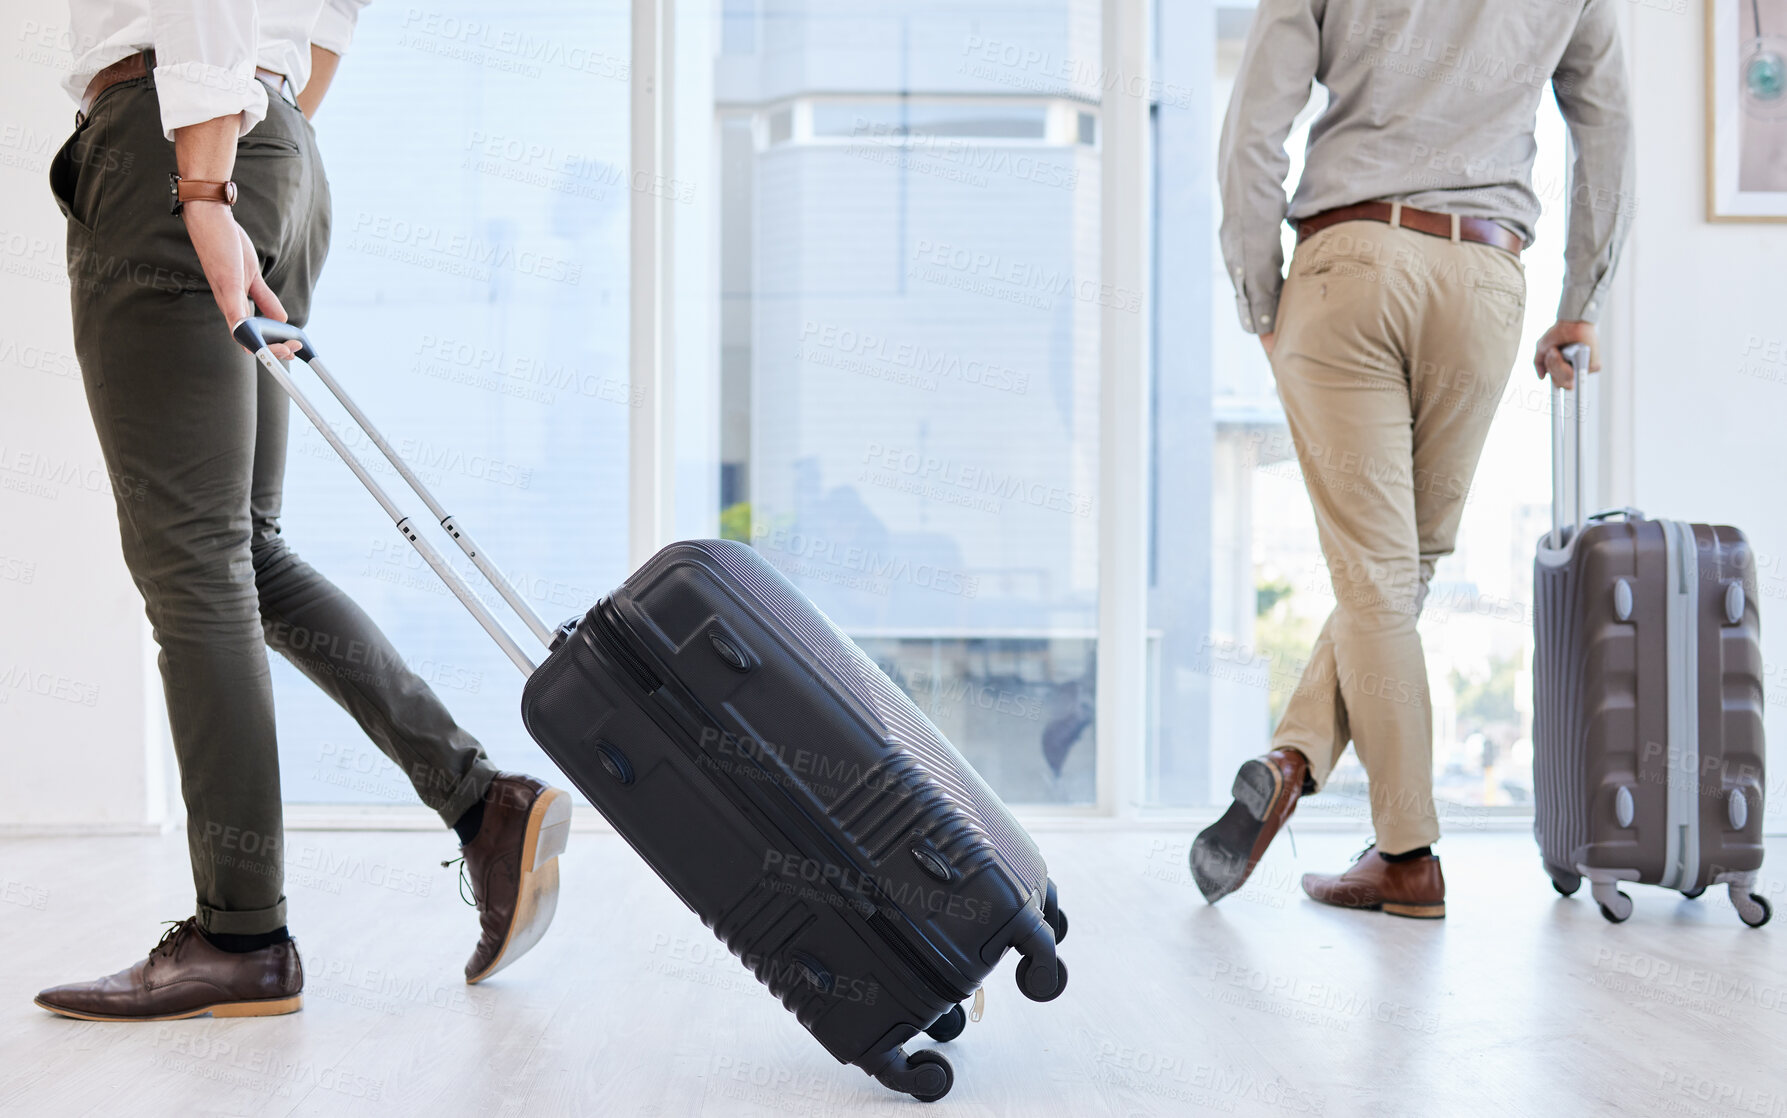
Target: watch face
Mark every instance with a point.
(173, 192)
(229, 193)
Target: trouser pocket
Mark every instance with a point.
(75, 178)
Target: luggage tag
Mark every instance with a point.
(980, 1004)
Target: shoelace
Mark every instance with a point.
(169, 944)
(464, 880)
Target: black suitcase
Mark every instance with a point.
(778, 781)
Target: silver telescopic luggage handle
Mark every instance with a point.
(1566, 445)
(275, 332)
(258, 334)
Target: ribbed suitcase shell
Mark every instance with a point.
(791, 795)
(1647, 726)
(766, 769)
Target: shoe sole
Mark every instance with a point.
(1389, 908)
(1417, 911)
(1215, 866)
(270, 1007)
(548, 826)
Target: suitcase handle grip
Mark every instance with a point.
(1566, 445)
(257, 333)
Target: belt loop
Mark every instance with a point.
(1395, 215)
(1455, 223)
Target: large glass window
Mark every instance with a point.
(895, 287)
(883, 294)
(475, 304)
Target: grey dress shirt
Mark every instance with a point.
(1430, 103)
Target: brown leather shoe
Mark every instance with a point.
(1266, 791)
(513, 867)
(184, 976)
(1413, 888)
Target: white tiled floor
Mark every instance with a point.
(1519, 1003)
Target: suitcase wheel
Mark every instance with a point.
(1617, 908)
(1029, 988)
(931, 1086)
(925, 1075)
(1757, 912)
(1566, 882)
(949, 1026)
(1694, 893)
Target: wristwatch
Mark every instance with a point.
(182, 191)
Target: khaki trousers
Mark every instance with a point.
(1392, 352)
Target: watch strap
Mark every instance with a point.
(199, 190)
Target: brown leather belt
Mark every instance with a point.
(139, 65)
(1476, 229)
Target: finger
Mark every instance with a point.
(1594, 358)
(283, 351)
(1562, 374)
(1583, 369)
(264, 298)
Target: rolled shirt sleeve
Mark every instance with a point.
(1590, 84)
(335, 23)
(1278, 67)
(204, 62)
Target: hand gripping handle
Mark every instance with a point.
(256, 334)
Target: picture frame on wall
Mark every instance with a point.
(1746, 110)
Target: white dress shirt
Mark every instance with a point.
(206, 51)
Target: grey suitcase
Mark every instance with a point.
(1647, 698)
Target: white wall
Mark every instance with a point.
(81, 736)
(1708, 416)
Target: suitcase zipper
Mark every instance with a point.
(938, 983)
(609, 631)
